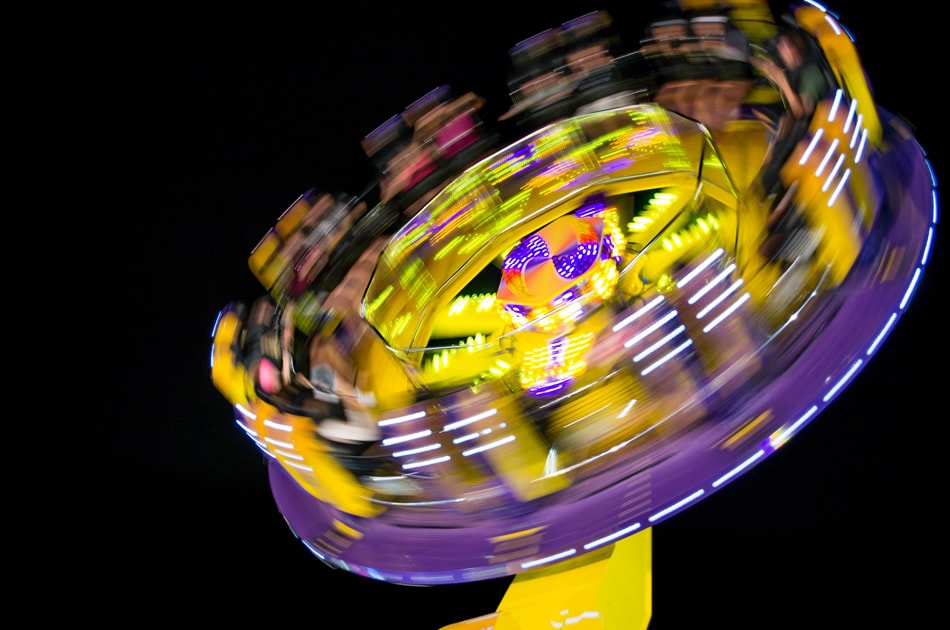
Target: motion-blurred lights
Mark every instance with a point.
(399, 419)
(738, 469)
(679, 504)
(843, 380)
(548, 559)
(626, 531)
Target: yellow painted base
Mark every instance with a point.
(608, 589)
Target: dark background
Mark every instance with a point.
(216, 124)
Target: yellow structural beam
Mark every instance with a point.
(607, 589)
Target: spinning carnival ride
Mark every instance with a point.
(523, 346)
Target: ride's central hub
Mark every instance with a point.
(545, 264)
(574, 256)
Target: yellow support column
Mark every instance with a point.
(607, 589)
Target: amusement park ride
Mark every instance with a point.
(531, 339)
